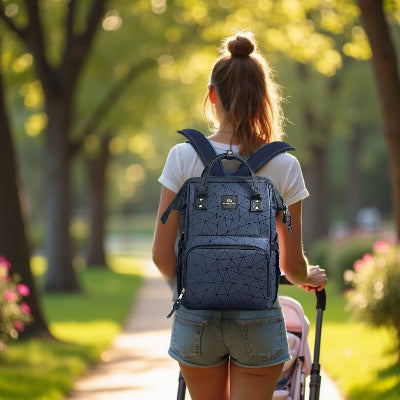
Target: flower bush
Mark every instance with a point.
(374, 296)
(14, 312)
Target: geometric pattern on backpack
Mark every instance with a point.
(215, 282)
(228, 254)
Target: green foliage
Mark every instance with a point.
(337, 256)
(84, 325)
(181, 38)
(319, 254)
(345, 254)
(375, 296)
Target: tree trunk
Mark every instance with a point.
(354, 177)
(388, 83)
(97, 187)
(59, 84)
(315, 208)
(13, 240)
(316, 220)
(60, 273)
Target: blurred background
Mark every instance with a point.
(145, 75)
(92, 93)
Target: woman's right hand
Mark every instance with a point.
(316, 279)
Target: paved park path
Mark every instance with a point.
(137, 366)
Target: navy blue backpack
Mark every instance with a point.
(228, 254)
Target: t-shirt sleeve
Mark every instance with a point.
(170, 176)
(295, 188)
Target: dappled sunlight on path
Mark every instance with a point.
(137, 369)
(137, 366)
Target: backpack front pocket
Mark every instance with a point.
(227, 277)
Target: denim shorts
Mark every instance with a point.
(207, 338)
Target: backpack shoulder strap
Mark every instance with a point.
(203, 148)
(263, 155)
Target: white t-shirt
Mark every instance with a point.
(283, 170)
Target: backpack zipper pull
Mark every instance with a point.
(177, 303)
(287, 219)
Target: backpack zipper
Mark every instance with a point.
(178, 301)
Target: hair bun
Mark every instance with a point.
(240, 46)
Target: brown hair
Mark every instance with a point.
(249, 95)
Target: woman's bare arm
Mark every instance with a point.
(293, 262)
(164, 255)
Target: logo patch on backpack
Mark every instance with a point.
(229, 202)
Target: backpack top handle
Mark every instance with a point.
(201, 194)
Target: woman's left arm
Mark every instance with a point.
(164, 256)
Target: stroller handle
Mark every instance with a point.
(320, 295)
(315, 377)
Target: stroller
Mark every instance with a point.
(291, 385)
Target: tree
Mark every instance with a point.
(13, 239)
(97, 158)
(388, 83)
(96, 167)
(59, 81)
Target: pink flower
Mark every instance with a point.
(358, 265)
(23, 289)
(19, 326)
(367, 257)
(25, 308)
(4, 263)
(381, 247)
(9, 295)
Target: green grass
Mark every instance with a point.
(361, 359)
(85, 325)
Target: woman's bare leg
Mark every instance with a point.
(207, 383)
(253, 383)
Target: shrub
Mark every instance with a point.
(375, 295)
(14, 313)
(337, 256)
(319, 254)
(345, 254)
